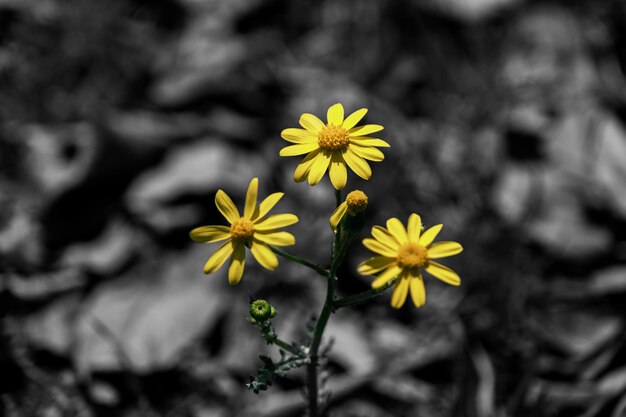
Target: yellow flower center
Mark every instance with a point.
(412, 255)
(333, 137)
(357, 202)
(242, 229)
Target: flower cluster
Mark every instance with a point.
(402, 253)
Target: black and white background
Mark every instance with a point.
(120, 119)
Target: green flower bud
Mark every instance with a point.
(261, 310)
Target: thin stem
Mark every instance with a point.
(286, 346)
(324, 315)
(323, 272)
(336, 255)
(320, 326)
(315, 344)
(290, 360)
(360, 297)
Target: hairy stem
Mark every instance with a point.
(286, 346)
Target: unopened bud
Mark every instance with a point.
(357, 202)
(355, 219)
(261, 310)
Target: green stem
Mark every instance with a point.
(326, 310)
(323, 272)
(286, 346)
(315, 344)
(360, 297)
(336, 256)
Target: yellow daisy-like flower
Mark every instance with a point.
(403, 252)
(255, 229)
(355, 203)
(332, 146)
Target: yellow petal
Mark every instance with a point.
(266, 205)
(263, 255)
(208, 234)
(444, 249)
(338, 173)
(365, 130)
(337, 215)
(251, 195)
(418, 292)
(295, 135)
(226, 206)
(383, 236)
(374, 265)
(303, 168)
(319, 167)
(219, 257)
(386, 276)
(414, 228)
(429, 235)
(235, 271)
(276, 238)
(397, 230)
(400, 291)
(335, 114)
(311, 122)
(275, 221)
(354, 118)
(299, 149)
(377, 247)
(357, 164)
(367, 152)
(443, 273)
(368, 141)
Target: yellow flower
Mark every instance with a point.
(255, 229)
(332, 146)
(403, 253)
(355, 203)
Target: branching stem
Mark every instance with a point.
(361, 297)
(321, 271)
(286, 346)
(338, 250)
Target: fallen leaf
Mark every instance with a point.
(144, 319)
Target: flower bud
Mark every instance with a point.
(261, 310)
(356, 202)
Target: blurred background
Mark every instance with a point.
(121, 119)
